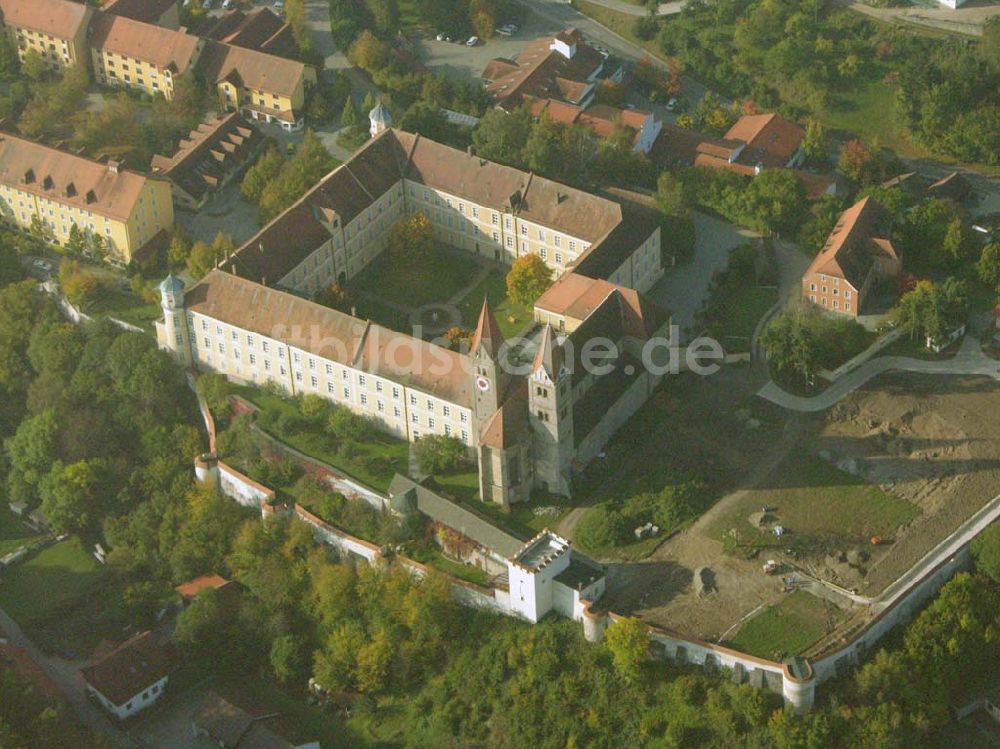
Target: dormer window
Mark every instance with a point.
(70, 190)
(47, 183)
(91, 196)
(29, 176)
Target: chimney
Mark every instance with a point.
(468, 149)
(114, 166)
(354, 311)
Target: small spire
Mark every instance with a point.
(488, 334)
(550, 355)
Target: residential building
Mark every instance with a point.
(166, 13)
(858, 256)
(131, 677)
(562, 67)
(953, 186)
(56, 29)
(260, 29)
(264, 87)
(213, 154)
(228, 725)
(604, 120)
(140, 56)
(135, 45)
(59, 189)
(189, 591)
(248, 319)
(753, 143)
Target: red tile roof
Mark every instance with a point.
(147, 11)
(770, 139)
(543, 73)
(60, 18)
(165, 48)
(261, 29)
(487, 334)
(855, 243)
(68, 178)
(255, 70)
(192, 588)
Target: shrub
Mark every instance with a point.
(438, 453)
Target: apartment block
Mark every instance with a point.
(56, 29)
(60, 190)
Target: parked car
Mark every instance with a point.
(472, 41)
(206, 4)
(227, 4)
(672, 105)
(279, 4)
(504, 31)
(42, 265)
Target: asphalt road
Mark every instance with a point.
(66, 676)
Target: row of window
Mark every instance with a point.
(835, 305)
(836, 292)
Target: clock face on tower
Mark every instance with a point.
(482, 383)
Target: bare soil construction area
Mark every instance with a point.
(932, 441)
(906, 459)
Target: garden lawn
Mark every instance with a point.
(785, 629)
(812, 498)
(868, 109)
(459, 486)
(436, 281)
(737, 315)
(127, 307)
(511, 317)
(395, 451)
(434, 558)
(13, 533)
(54, 577)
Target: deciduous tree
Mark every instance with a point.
(528, 279)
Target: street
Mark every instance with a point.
(66, 676)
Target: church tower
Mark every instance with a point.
(550, 413)
(379, 119)
(173, 334)
(489, 378)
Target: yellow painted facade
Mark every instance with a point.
(152, 211)
(112, 69)
(267, 106)
(59, 53)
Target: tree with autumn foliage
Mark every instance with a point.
(411, 242)
(528, 279)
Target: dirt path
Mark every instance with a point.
(661, 588)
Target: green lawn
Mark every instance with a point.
(384, 315)
(374, 463)
(737, 315)
(511, 317)
(434, 558)
(49, 580)
(460, 486)
(620, 23)
(869, 109)
(13, 533)
(435, 281)
(787, 628)
(814, 501)
(127, 307)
